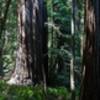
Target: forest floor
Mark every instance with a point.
(32, 93)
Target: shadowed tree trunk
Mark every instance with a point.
(87, 88)
(91, 81)
(30, 66)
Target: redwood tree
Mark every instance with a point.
(90, 88)
(32, 48)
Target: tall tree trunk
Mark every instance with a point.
(90, 88)
(72, 61)
(97, 49)
(30, 61)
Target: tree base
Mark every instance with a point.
(20, 81)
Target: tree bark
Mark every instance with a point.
(72, 61)
(91, 81)
(30, 66)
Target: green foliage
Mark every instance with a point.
(21, 92)
(58, 91)
(8, 41)
(32, 93)
(60, 39)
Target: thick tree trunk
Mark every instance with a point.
(97, 46)
(23, 73)
(91, 82)
(30, 54)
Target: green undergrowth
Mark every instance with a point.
(32, 93)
